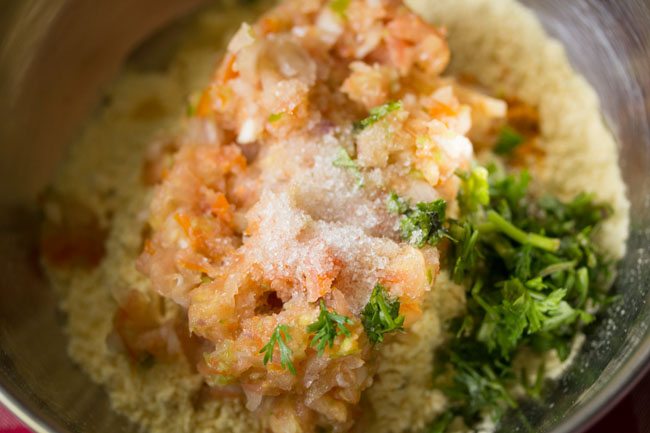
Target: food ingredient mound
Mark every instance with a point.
(290, 210)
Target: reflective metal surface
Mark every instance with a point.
(56, 54)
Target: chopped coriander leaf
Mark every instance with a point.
(378, 113)
(343, 160)
(523, 261)
(509, 194)
(573, 216)
(421, 225)
(542, 342)
(274, 117)
(424, 224)
(475, 190)
(557, 267)
(509, 139)
(532, 266)
(477, 388)
(522, 311)
(326, 328)
(465, 236)
(397, 204)
(340, 7)
(381, 315)
(279, 337)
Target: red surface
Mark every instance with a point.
(9, 423)
(631, 415)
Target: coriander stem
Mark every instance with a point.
(384, 309)
(507, 228)
(557, 267)
(486, 228)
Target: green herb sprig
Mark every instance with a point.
(509, 139)
(378, 113)
(280, 337)
(326, 328)
(531, 268)
(381, 315)
(343, 160)
(423, 224)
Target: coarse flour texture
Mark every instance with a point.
(497, 41)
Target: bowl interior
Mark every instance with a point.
(42, 60)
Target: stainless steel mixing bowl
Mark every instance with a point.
(55, 55)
